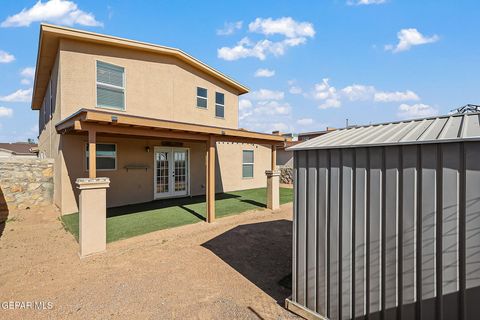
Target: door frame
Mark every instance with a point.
(170, 163)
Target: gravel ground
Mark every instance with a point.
(226, 270)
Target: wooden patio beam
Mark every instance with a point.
(96, 116)
(113, 129)
(222, 138)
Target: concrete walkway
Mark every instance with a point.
(226, 270)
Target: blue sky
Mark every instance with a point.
(309, 64)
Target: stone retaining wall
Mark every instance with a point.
(24, 183)
(286, 175)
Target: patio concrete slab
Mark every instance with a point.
(226, 270)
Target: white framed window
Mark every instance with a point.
(247, 164)
(110, 86)
(106, 156)
(219, 105)
(202, 99)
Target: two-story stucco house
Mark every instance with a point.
(154, 120)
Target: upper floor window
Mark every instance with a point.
(219, 105)
(202, 98)
(110, 86)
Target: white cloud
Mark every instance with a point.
(305, 121)
(229, 28)
(272, 108)
(293, 87)
(295, 90)
(330, 97)
(27, 74)
(267, 108)
(62, 12)
(21, 95)
(407, 38)
(246, 48)
(243, 49)
(244, 115)
(357, 92)
(327, 95)
(264, 73)
(285, 26)
(330, 103)
(295, 34)
(418, 110)
(6, 57)
(279, 126)
(244, 104)
(364, 2)
(264, 110)
(5, 112)
(396, 96)
(265, 94)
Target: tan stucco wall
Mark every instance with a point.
(156, 86)
(136, 186)
(48, 139)
(229, 163)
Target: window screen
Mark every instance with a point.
(247, 164)
(202, 97)
(110, 86)
(219, 105)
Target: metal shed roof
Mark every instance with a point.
(448, 128)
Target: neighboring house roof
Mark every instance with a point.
(48, 48)
(18, 148)
(315, 133)
(448, 128)
(288, 144)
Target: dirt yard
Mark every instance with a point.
(226, 270)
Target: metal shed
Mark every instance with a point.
(387, 221)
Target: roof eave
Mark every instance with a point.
(64, 32)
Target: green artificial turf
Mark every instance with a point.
(136, 219)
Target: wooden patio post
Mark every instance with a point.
(210, 179)
(92, 154)
(274, 157)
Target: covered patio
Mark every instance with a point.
(137, 219)
(94, 123)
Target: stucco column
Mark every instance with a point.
(273, 189)
(92, 215)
